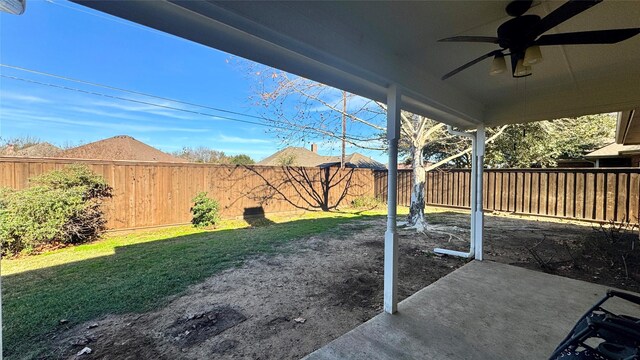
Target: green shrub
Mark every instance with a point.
(367, 202)
(4, 194)
(63, 208)
(93, 185)
(205, 211)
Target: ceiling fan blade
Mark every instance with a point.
(588, 37)
(471, 63)
(477, 39)
(565, 12)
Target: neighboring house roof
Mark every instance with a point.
(614, 150)
(294, 156)
(40, 150)
(298, 156)
(120, 147)
(355, 160)
(43, 149)
(7, 151)
(574, 163)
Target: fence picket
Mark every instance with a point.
(155, 194)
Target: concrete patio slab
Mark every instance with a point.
(484, 310)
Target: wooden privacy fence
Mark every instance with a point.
(600, 194)
(154, 194)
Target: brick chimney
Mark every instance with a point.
(314, 148)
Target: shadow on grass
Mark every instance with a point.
(136, 278)
(255, 216)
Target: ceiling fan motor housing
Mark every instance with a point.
(518, 7)
(515, 33)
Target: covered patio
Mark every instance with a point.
(483, 310)
(389, 52)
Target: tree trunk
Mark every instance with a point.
(416, 217)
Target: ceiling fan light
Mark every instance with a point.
(498, 66)
(521, 69)
(532, 55)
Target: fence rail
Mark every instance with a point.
(149, 194)
(155, 194)
(596, 194)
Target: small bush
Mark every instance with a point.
(367, 202)
(63, 208)
(205, 211)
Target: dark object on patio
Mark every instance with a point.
(601, 334)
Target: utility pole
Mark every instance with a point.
(344, 129)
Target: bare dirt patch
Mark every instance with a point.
(288, 305)
(559, 244)
(196, 328)
(276, 307)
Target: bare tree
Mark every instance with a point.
(313, 188)
(203, 154)
(302, 110)
(417, 133)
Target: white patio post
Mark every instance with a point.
(478, 225)
(390, 236)
(474, 186)
(474, 191)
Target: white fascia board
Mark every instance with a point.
(232, 33)
(422, 93)
(622, 125)
(629, 152)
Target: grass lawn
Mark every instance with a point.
(135, 272)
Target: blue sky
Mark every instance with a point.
(66, 39)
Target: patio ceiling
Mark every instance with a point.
(363, 47)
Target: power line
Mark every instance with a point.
(141, 27)
(158, 32)
(134, 92)
(272, 123)
(129, 91)
(133, 100)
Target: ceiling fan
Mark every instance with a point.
(521, 37)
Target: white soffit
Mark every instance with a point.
(363, 47)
